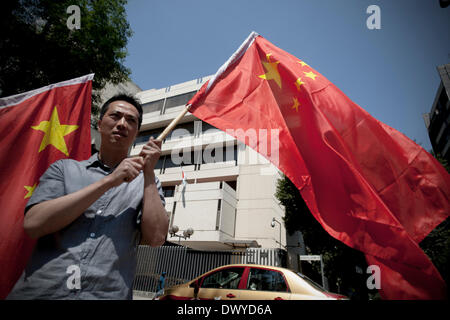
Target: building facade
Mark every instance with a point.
(229, 195)
(438, 120)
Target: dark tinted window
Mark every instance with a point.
(145, 135)
(169, 163)
(168, 191)
(183, 130)
(223, 279)
(179, 100)
(266, 280)
(207, 127)
(159, 163)
(153, 106)
(219, 154)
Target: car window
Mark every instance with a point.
(311, 282)
(266, 280)
(223, 279)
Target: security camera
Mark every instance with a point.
(273, 223)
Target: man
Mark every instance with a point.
(160, 286)
(89, 216)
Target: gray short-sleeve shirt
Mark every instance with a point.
(95, 256)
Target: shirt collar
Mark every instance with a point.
(94, 161)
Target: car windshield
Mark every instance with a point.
(311, 282)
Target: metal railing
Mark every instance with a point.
(182, 264)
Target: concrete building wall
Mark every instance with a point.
(257, 202)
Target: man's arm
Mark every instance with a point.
(53, 215)
(154, 221)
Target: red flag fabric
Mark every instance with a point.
(367, 184)
(37, 128)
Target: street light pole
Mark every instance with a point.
(186, 233)
(273, 226)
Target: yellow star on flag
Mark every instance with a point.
(30, 190)
(310, 75)
(295, 105)
(303, 63)
(298, 83)
(54, 133)
(272, 70)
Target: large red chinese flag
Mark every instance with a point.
(367, 184)
(37, 128)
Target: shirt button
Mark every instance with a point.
(92, 235)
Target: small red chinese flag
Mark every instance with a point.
(367, 184)
(37, 128)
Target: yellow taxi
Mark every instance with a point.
(250, 282)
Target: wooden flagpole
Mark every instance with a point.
(173, 124)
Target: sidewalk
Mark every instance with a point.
(142, 295)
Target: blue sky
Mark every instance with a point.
(390, 72)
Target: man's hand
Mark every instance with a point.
(150, 153)
(127, 170)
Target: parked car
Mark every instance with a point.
(250, 282)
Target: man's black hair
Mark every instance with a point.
(123, 97)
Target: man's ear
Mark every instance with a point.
(99, 122)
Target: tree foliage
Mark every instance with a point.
(37, 48)
(437, 244)
(441, 159)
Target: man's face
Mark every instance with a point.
(119, 125)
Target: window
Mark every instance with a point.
(232, 184)
(180, 157)
(219, 154)
(443, 98)
(183, 130)
(168, 163)
(219, 209)
(145, 135)
(153, 106)
(197, 128)
(179, 100)
(223, 279)
(266, 280)
(207, 127)
(159, 164)
(168, 191)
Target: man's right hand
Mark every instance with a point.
(127, 171)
